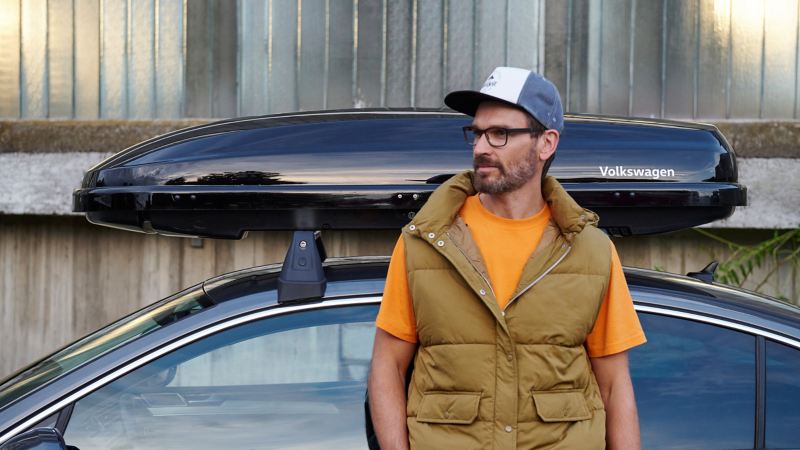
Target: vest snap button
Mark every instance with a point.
(412, 227)
(431, 235)
(510, 356)
(482, 291)
(509, 429)
(440, 243)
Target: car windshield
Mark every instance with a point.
(125, 330)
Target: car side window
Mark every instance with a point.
(783, 391)
(290, 381)
(694, 385)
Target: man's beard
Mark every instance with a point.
(510, 179)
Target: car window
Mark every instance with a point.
(295, 381)
(783, 393)
(125, 330)
(694, 385)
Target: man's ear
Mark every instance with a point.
(550, 138)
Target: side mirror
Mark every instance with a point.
(37, 439)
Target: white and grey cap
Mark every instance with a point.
(520, 87)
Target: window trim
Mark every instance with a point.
(163, 350)
(727, 323)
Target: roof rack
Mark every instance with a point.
(375, 169)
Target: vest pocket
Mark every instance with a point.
(449, 407)
(562, 405)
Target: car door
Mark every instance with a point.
(714, 383)
(290, 378)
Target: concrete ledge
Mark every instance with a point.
(42, 184)
(750, 139)
(763, 139)
(83, 136)
(773, 191)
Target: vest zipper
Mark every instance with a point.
(473, 266)
(548, 270)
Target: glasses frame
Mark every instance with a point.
(477, 133)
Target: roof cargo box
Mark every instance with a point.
(368, 169)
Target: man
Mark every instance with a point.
(511, 302)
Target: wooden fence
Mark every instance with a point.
(61, 277)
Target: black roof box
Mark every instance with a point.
(364, 169)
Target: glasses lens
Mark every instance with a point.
(497, 137)
(470, 137)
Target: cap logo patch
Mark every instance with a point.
(490, 82)
(505, 83)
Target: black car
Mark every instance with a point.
(277, 356)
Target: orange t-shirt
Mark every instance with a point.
(506, 245)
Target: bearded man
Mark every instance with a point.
(510, 301)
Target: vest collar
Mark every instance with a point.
(441, 209)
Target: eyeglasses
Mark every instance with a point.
(496, 137)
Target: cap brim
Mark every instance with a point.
(467, 102)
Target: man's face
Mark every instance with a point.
(507, 168)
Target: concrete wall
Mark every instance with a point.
(61, 277)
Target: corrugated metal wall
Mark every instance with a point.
(219, 58)
(325, 54)
(684, 58)
(90, 58)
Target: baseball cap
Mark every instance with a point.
(519, 87)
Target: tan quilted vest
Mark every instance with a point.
(513, 379)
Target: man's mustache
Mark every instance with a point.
(485, 161)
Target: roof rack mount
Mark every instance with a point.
(302, 275)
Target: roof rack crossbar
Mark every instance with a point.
(302, 276)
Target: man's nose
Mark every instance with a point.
(481, 145)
